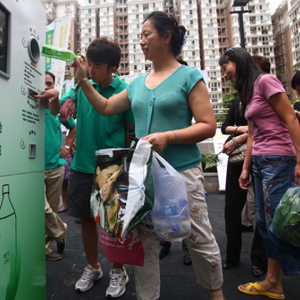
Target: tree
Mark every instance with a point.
(227, 100)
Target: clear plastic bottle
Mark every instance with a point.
(170, 214)
(177, 219)
(9, 269)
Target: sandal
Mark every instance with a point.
(259, 290)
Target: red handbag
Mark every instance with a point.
(131, 252)
(69, 107)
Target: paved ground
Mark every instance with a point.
(177, 280)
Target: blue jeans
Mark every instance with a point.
(273, 175)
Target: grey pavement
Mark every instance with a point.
(178, 281)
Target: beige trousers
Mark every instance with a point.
(55, 228)
(202, 245)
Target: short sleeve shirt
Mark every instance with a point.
(270, 133)
(166, 107)
(53, 140)
(95, 131)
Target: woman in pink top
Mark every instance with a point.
(273, 147)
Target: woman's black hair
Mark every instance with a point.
(295, 80)
(246, 73)
(164, 22)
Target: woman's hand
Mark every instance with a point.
(48, 96)
(244, 180)
(80, 67)
(297, 173)
(229, 147)
(159, 140)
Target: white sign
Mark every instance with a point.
(219, 140)
(61, 36)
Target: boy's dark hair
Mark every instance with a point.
(52, 76)
(295, 80)
(104, 50)
(262, 62)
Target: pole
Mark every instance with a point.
(241, 25)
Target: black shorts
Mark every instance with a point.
(79, 194)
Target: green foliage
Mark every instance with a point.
(228, 98)
(210, 162)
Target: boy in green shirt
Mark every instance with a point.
(95, 132)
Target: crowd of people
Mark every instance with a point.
(261, 118)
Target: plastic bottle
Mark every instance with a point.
(9, 269)
(176, 218)
(58, 53)
(170, 214)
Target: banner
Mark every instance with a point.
(68, 84)
(58, 35)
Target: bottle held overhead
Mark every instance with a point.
(59, 53)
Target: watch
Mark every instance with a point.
(82, 80)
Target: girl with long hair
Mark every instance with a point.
(273, 152)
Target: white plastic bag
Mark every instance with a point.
(170, 213)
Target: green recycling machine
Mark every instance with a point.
(22, 127)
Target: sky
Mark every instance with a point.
(274, 4)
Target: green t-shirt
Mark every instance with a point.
(53, 140)
(164, 108)
(94, 131)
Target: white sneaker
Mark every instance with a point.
(88, 278)
(117, 284)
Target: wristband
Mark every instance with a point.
(176, 136)
(82, 80)
(67, 147)
(235, 143)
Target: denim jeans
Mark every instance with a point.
(273, 175)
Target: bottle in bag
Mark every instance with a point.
(177, 219)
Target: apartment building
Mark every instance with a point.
(210, 48)
(294, 13)
(137, 11)
(258, 30)
(212, 27)
(283, 47)
(187, 13)
(121, 34)
(220, 28)
(122, 20)
(89, 22)
(286, 32)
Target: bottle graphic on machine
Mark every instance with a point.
(9, 262)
